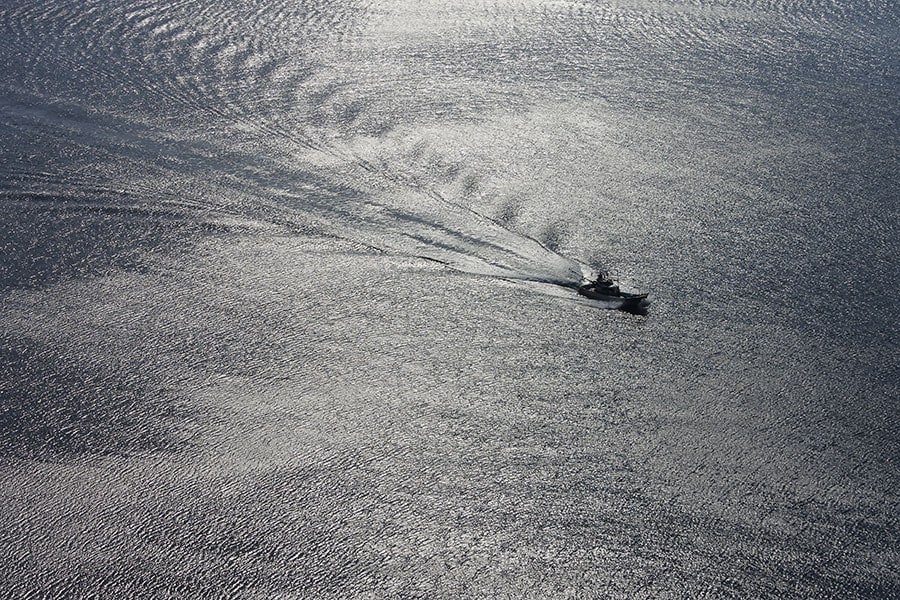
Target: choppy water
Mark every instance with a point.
(278, 318)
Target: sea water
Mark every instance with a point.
(285, 301)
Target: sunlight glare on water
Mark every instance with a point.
(287, 305)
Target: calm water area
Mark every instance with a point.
(284, 308)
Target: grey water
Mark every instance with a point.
(284, 308)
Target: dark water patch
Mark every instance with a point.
(58, 406)
(57, 239)
(553, 236)
(509, 212)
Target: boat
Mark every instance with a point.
(605, 289)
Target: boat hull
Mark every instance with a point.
(635, 303)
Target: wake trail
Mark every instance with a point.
(443, 230)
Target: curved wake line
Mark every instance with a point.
(420, 221)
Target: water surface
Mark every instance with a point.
(279, 318)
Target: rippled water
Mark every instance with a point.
(280, 314)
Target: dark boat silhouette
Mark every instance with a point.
(606, 290)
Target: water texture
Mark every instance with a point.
(284, 308)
